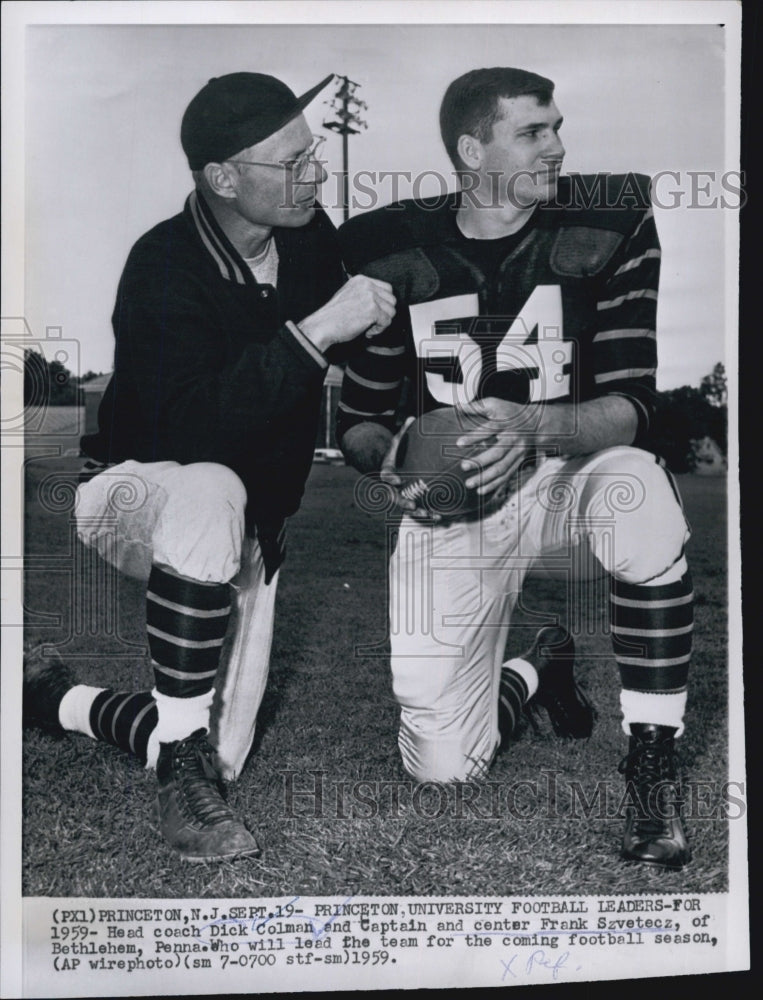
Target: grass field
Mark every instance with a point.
(329, 721)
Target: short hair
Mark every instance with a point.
(470, 104)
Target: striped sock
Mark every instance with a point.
(124, 720)
(513, 692)
(652, 641)
(187, 622)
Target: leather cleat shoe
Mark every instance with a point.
(46, 681)
(654, 833)
(193, 815)
(569, 710)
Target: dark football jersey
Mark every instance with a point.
(564, 310)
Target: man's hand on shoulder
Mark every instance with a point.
(361, 306)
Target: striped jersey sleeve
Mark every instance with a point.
(625, 342)
(373, 380)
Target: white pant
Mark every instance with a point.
(190, 520)
(453, 588)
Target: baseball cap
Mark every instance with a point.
(235, 111)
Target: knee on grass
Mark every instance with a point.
(441, 759)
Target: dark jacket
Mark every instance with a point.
(206, 368)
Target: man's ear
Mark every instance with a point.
(470, 151)
(221, 179)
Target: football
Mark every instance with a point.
(429, 464)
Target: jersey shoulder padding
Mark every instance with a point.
(594, 214)
(401, 226)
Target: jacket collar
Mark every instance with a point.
(227, 259)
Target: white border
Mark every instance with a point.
(16, 16)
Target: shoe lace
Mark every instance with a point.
(648, 767)
(199, 780)
(648, 763)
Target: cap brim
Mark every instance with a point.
(296, 109)
(305, 99)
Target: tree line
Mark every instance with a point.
(50, 383)
(687, 415)
(683, 416)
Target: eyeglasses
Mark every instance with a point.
(299, 166)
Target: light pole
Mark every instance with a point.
(346, 109)
(345, 120)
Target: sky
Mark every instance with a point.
(103, 161)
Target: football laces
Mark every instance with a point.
(414, 491)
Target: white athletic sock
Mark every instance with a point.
(179, 717)
(653, 709)
(74, 710)
(152, 751)
(526, 671)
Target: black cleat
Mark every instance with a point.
(193, 815)
(46, 681)
(654, 833)
(569, 710)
